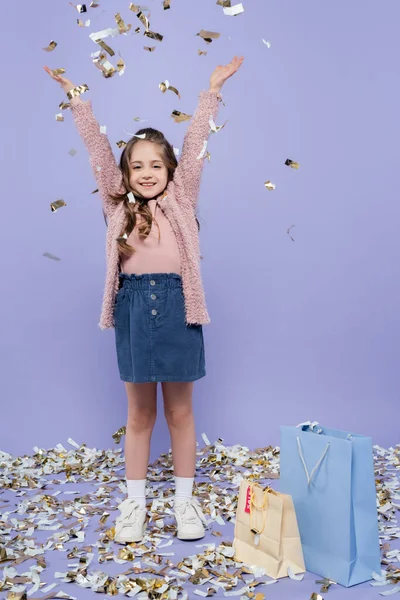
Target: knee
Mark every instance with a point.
(178, 417)
(141, 420)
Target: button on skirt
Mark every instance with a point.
(152, 339)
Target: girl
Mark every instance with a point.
(153, 295)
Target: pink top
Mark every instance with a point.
(179, 204)
(158, 253)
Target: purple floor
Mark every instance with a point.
(34, 493)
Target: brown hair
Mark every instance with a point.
(140, 207)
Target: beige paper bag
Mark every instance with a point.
(266, 532)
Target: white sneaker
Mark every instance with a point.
(189, 519)
(131, 523)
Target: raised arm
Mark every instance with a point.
(106, 171)
(189, 170)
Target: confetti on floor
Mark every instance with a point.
(59, 506)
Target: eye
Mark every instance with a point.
(136, 167)
(157, 166)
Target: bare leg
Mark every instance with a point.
(178, 409)
(142, 413)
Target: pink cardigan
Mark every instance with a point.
(179, 203)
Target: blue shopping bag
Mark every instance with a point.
(330, 476)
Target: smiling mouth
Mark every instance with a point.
(147, 184)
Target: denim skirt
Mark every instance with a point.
(153, 341)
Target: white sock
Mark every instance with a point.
(137, 491)
(183, 488)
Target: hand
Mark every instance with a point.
(66, 84)
(222, 73)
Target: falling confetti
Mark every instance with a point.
(101, 62)
(121, 66)
(83, 23)
(81, 8)
(72, 152)
(165, 85)
(203, 151)
(52, 46)
(202, 52)
(214, 128)
(122, 27)
(149, 48)
(269, 185)
(268, 44)
(59, 117)
(56, 205)
(180, 117)
(233, 11)
(208, 36)
(167, 4)
(292, 163)
(58, 72)
(154, 36)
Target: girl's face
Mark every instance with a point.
(148, 175)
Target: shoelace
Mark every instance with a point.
(190, 512)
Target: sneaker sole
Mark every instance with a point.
(190, 537)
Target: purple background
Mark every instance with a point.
(300, 330)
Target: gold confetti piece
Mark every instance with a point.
(48, 255)
(149, 48)
(57, 204)
(102, 63)
(139, 120)
(233, 11)
(64, 105)
(83, 23)
(315, 596)
(208, 36)
(268, 44)
(121, 66)
(202, 52)
(58, 72)
(123, 28)
(77, 91)
(105, 47)
(224, 3)
(60, 117)
(94, 5)
(165, 85)
(289, 234)
(52, 46)
(154, 36)
(167, 4)
(292, 163)
(180, 117)
(121, 144)
(269, 185)
(143, 19)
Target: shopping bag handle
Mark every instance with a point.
(318, 464)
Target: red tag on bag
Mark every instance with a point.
(248, 500)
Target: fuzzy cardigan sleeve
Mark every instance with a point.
(106, 171)
(188, 173)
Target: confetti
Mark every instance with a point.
(59, 117)
(77, 91)
(233, 11)
(149, 48)
(122, 27)
(64, 105)
(83, 23)
(202, 52)
(131, 197)
(326, 584)
(203, 151)
(56, 205)
(94, 5)
(268, 44)
(102, 63)
(289, 234)
(224, 3)
(121, 66)
(81, 8)
(58, 72)
(180, 117)
(154, 36)
(269, 185)
(214, 128)
(121, 144)
(51, 256)
(165, 85)
(291, 574)
(52, 46)
(208, 36)
(292, 163)
(103, 129)
(72, 152)
(167, 4)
